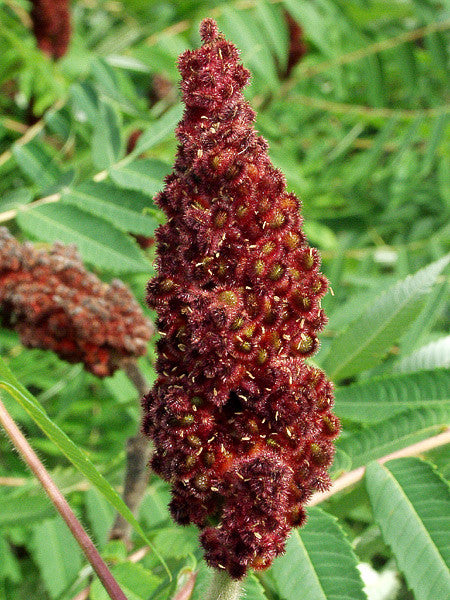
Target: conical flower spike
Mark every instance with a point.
(241, 423)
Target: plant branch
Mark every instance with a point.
(131, 369)
(139, 451)
(368, 111)
(356, 475)
(61, 505)
(223, 587)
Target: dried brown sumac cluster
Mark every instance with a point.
(242, 425)
(51, 26)
(54, 303)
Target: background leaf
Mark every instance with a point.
(76, 456)
(122, 208)
(434, 354)
(397, 432)
(98, 241)
(145, 175)
(106, 141)
(379, 398)
(320, 557)
(57, 554)
(364, 343)
(412, 506)
(135, 581)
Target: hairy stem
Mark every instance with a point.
(139, 452)
(223, 587)
(61, 505)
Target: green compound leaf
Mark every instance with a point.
(379, 398)
(319, 563)
(76, 456)
(367, 339)
(411, 503)
(98, 241)
(395, 433)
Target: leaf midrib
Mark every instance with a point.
(128, 212)
(316, 576)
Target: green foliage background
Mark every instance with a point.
(361, 130)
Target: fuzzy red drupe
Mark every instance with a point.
(54, 303)
(242, 425)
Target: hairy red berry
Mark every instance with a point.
(240, 422)
(54, 303)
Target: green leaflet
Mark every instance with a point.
(57, 554)
(136, 582)
(35, 160)
(159, 131)
(100, 514)
(379, 398)
(107, 140)
(121, 207)
(411, 503)
(144, 175)
(319, 563)
(434, 354)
